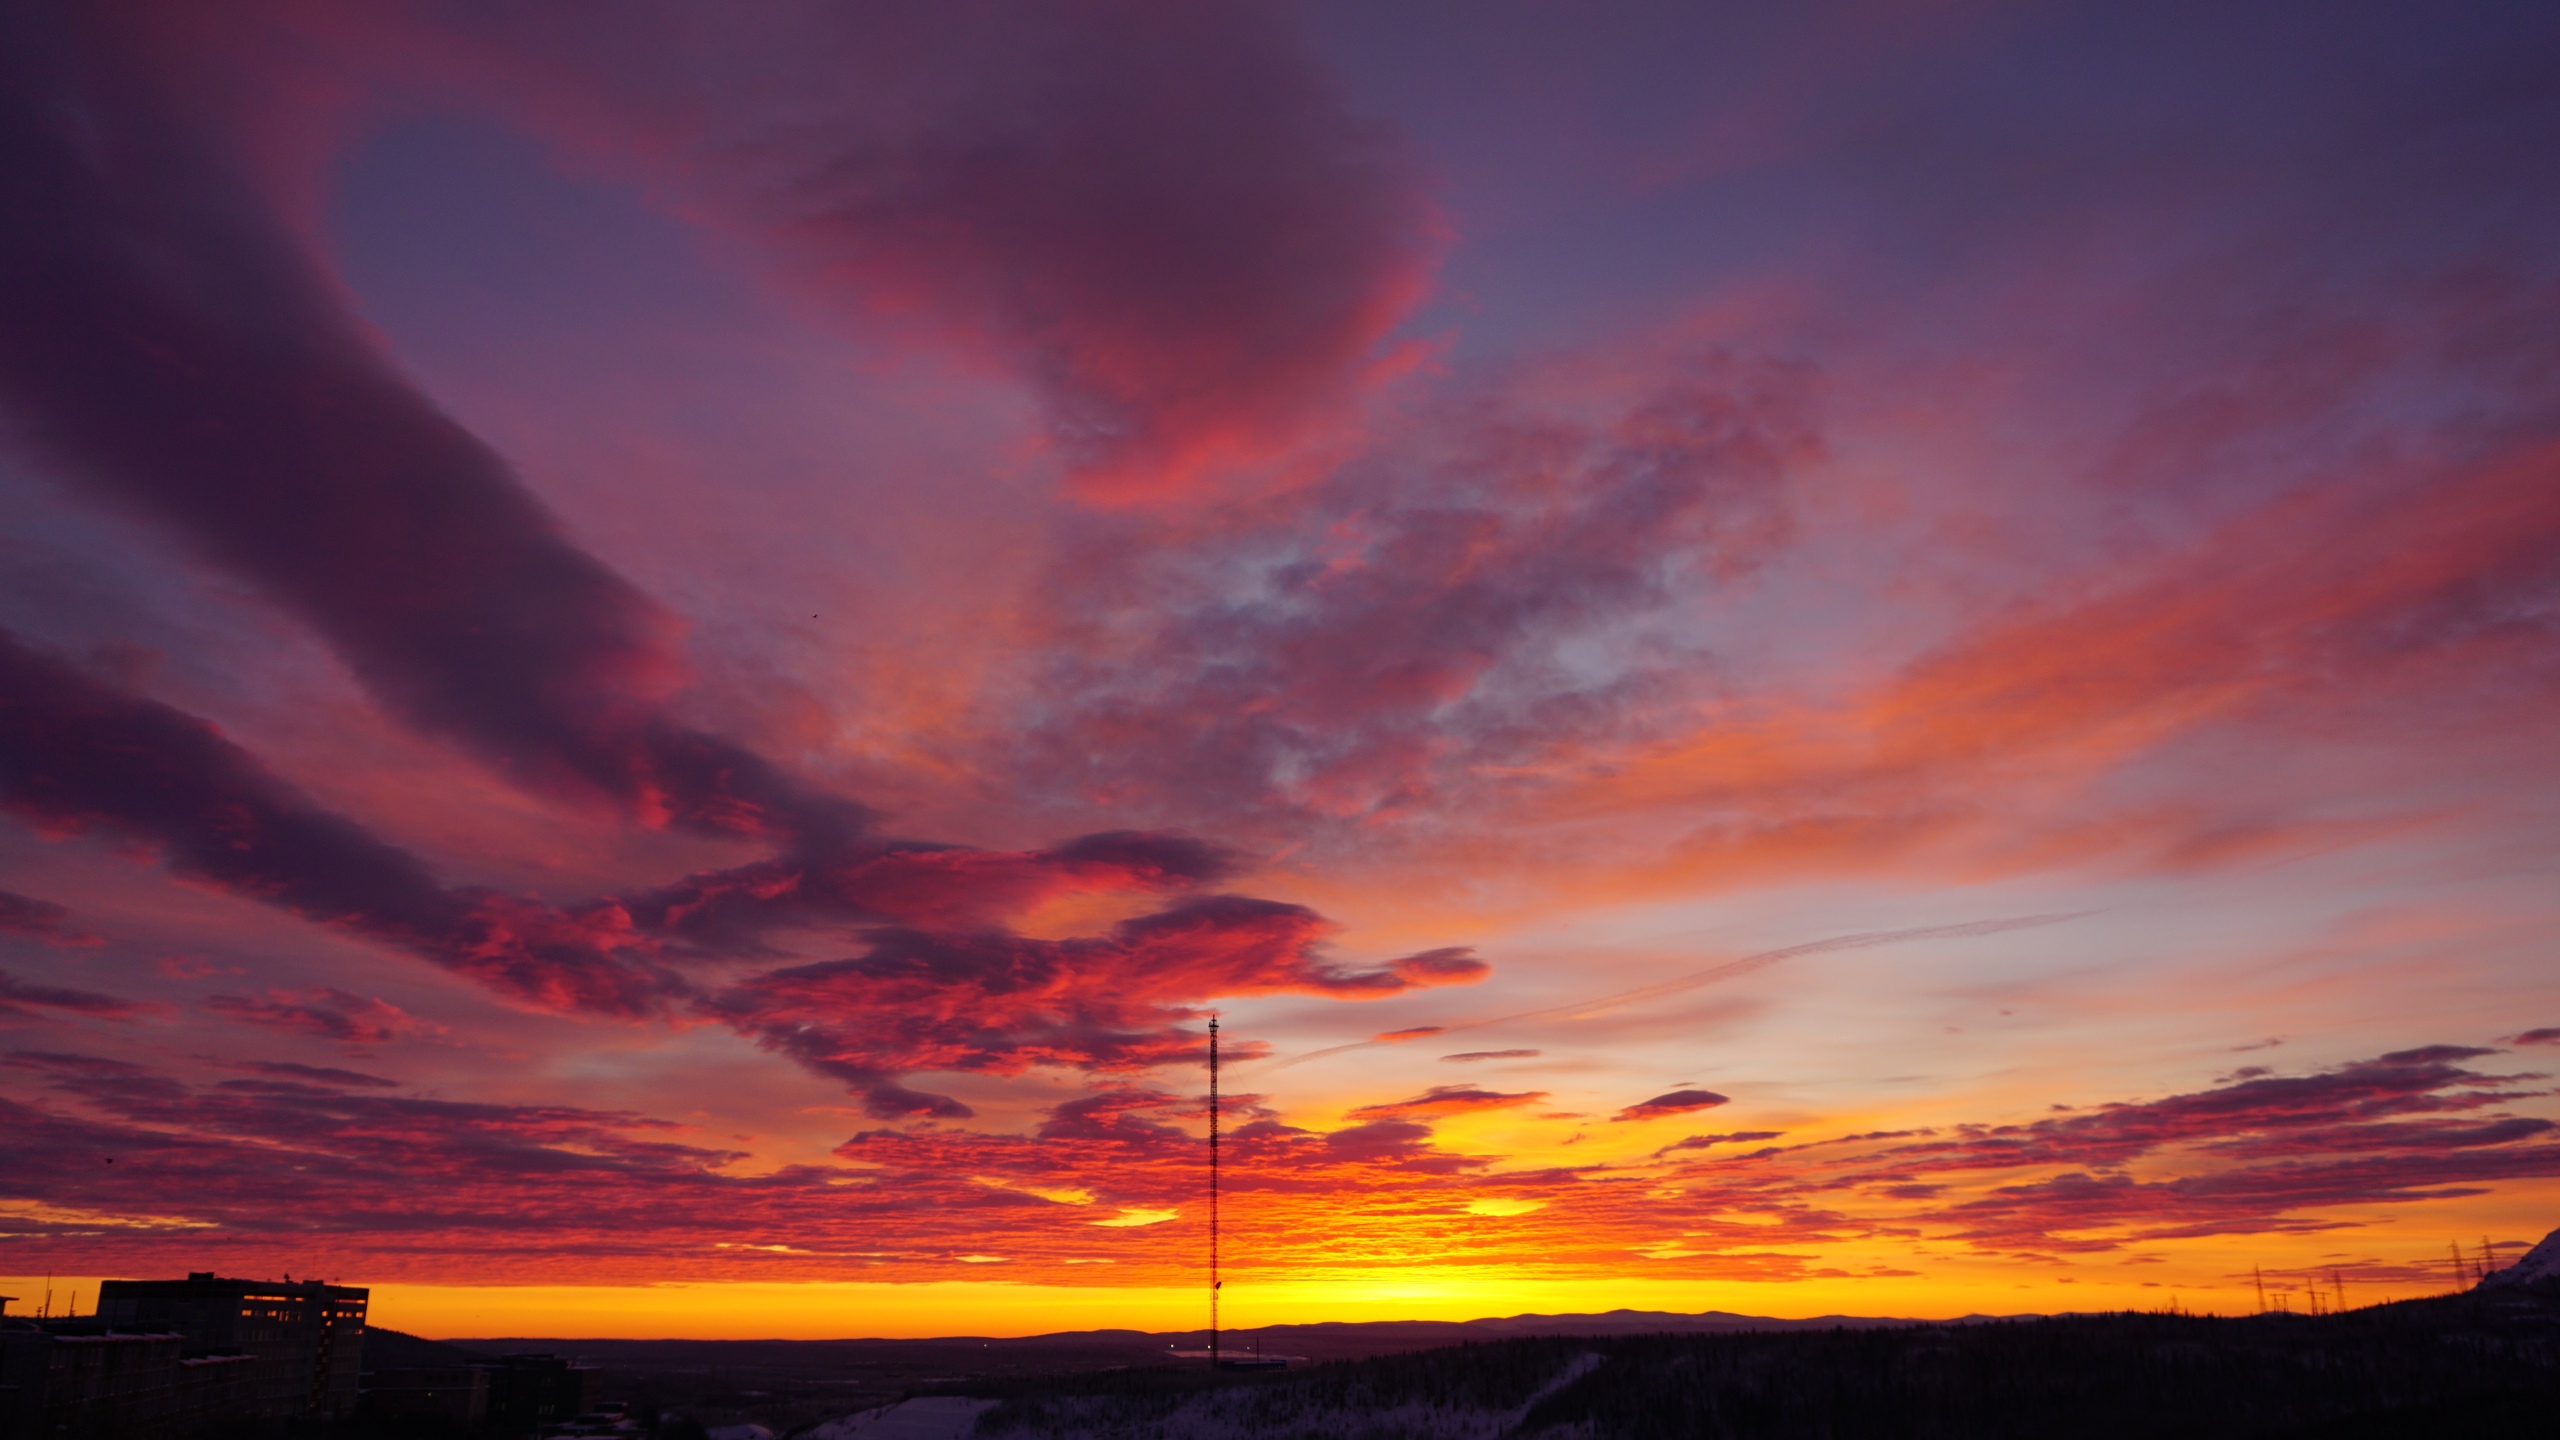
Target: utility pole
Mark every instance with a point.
(2258, 1273)
(1214, 1281)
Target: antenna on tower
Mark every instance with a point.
(1214, 1282)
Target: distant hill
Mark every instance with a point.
(1332, 1340)
(1348, 1339)
(393, 1350)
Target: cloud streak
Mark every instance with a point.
(21, 1000)
(77, 755)
(2271, 1157)
(1732, 969)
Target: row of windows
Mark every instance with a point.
(343, 1312)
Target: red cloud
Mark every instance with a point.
(1447, 1100)
(993, 1002)
(914, 884)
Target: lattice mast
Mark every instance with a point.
(1214, 1281)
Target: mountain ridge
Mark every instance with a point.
(1333, 1338)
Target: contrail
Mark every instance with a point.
(1582, 1009)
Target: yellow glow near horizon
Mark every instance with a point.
(2200, 1278)
(828, 1310)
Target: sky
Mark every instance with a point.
(658, 659)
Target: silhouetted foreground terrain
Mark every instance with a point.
(789, 1384)
(2485, 1364)
(2478, 1365)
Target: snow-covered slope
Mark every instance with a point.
(2540, 1263)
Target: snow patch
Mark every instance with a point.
(935, 1417)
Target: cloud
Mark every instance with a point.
(2059, 1213)
(316, 1074)
(39, 920)
(1730, 1137)
(323, 1014)
(399, 1185)
(1447, 1100)
(1296, 664)
(2549, 1035)
(281, 446)
(1165, 221)
(1452, 965)
(1120, 1001)
(1676, 1102)
(2239, 1115)
(1378, 1140)
(265, 1162)
(77, 755)
(1474, 602)
(1731, 969)
(1164, 218)
(913, 883)
(20, 999)
(2259, 628)
(1494, 1055)
(2256, 1155)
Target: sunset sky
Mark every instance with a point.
(657, 659)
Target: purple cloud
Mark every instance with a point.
(1676, 1102)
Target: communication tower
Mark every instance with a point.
(1214, 1281)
